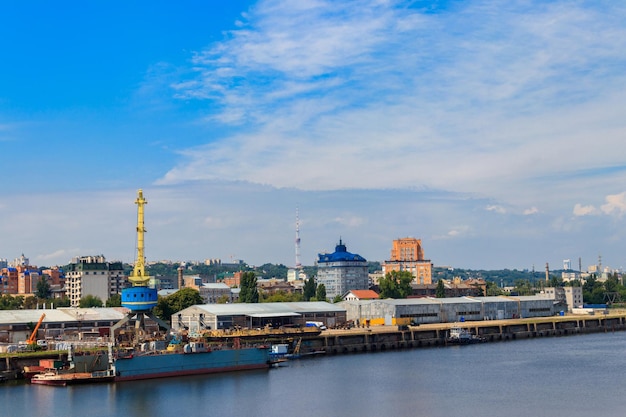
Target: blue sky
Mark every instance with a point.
(493, 131)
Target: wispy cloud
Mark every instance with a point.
(480, 127)
(496, 209)
(475, 98)
(530, 211)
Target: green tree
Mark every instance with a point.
(43, 289)
(180, 300)
(162, 309)
(249, 292)
(493, 289)
(396, 284)
(309, 289)
(223, 299)
(30, 302)
(320, 292)
(272, 271)
(89, 301)
(611, 284)
(9, 302)
(184, 298)
(62, 302)
(114, 301)
(556, 281)
(440, 291)
(590, 283)
(523, 287)
(282, 297)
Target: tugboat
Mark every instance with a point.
(461, 336)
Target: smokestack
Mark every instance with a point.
(180, 277)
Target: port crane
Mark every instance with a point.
(141, 297)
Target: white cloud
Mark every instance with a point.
(349, 221)
(496, 209)
(456, 232)
(580, 210)
(615, 204)
(530, 211)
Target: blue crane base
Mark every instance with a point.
(139, 299)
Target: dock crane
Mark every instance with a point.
(32, 340)
(141, 297)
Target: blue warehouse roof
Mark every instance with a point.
(340, 254)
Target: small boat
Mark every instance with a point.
(279, 351)
(461, 336)
(71, 378)
(32, 370)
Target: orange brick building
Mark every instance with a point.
(407, 254)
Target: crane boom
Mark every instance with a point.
(33, 335)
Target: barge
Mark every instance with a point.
(71, 378)
(194, 359)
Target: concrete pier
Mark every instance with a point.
(382, 338)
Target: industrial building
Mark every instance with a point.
(252, 315)
(446, 310)
(572, 297)
(71, 323)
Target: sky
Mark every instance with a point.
(492, 131)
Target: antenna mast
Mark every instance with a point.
(298, 264)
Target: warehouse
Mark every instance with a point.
(445, 310)
(67, 322)
(253, 315)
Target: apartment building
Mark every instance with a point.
(407, 254)
(93, 275)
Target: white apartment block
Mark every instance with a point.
(93, 275)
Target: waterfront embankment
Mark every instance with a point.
(388, 338)
(381, 338)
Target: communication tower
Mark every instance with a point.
(298, 264)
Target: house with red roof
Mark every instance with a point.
(355, 295)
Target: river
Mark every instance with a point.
(572, 376)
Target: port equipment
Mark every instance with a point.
(141, 297)
(32, 340)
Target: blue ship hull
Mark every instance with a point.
(162, 365)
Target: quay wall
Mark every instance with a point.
(381, 338)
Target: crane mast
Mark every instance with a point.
(140, 297)
(138, 276)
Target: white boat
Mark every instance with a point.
(462, 336)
